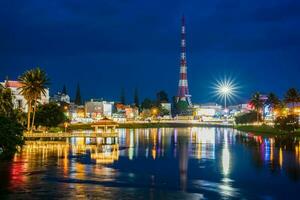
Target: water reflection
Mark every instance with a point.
(277, 154)
(100, 153)
(212, 162)
(225, 155)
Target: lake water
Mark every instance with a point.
(165, 163)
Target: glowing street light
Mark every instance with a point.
(226, 90)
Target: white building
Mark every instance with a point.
(61, 97)
(18, 100)
(208, 109)
(167, 106)
(234, 109)
(98, 108)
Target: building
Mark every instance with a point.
(125, 111)
(166, 106)
(239, 108)
(208, 111)
(98, 108)
(60, 97)
(19, 100)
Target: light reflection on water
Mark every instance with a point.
(165, 163)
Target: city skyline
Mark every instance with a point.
(85, 46)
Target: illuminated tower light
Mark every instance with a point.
(183, 91)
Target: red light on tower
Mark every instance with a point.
(183, 90)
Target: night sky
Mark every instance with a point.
(107, 45)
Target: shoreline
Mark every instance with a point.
(170, 125)
(265, 130)
(254, 129)
(136, 125)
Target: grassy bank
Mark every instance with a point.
(264, 130)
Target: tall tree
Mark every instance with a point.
(6, 104)
(182, 107)
(34, 83)
(147, 104)
(11, 137)
(136, 98)
(64, 90)
(257, 103)
(78, 100)
(292, 96)
(122, 97)
(273, 101)
(162, 97)
(50, 115)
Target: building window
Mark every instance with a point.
(19, 103)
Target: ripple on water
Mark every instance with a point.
(224, 189)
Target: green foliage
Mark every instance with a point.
(20, 116)
(50, 115)
(6, 105)
(34, 83)
(261, 129)
(292, 96)
(273, 101)
(146, 113)
(257, 103)
(10, 136)
(162, 97)
(55, 129)
(147, 104)
(182, 107)
(287, 123)
(78, 100)
(247, 118)
(163, 112)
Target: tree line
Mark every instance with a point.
(283, 109)
(13, 121)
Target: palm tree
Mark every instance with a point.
(34, 83)
(273, 101)
(292, 96)
(257, 104)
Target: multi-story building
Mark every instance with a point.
(98, 108)
(19, 100)
(60, 97)
(126, 112)
(207, 111)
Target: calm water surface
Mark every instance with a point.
(166, 163)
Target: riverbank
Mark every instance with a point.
(170, 125)
(264, 130)
(134, 125)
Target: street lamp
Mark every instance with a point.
(225, 89)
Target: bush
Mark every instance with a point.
(287, 123)
(11, 137)
(55, 130)
(50, 115)
(247, 118)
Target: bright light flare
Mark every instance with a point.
(225, 89)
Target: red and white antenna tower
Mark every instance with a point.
(183, 89)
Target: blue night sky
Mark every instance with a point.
(110, 44)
